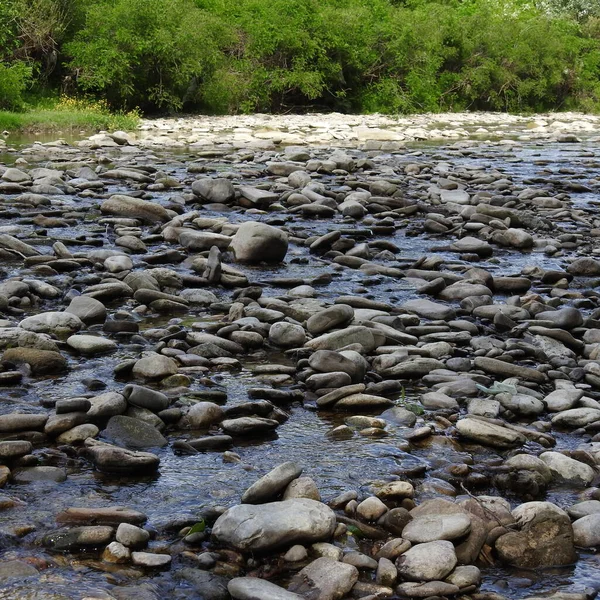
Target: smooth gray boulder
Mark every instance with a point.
(271, 484)
(257, 242)
(254, 528)
(427, 562)
(252, 588)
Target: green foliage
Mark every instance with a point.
(293, 55)
(144, 52)
(14, 79)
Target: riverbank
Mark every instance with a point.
(67, 116)
(263, 131)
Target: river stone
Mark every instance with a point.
(16, 569)
(489, 433)
(562, 399)
(144, 397)
(564, 318)
(252, 588)
(91, 344)
(505, 369)
(208, 585)
(59, 323)
(116, 553)
(133, 433)
(271, 484)
(528, 462)
(202, 415)
(78, 434)
(427, 562)
(252, 528)
(41, 362)
(132, 536)
(14, 449)
(465, 576)
(151, 560)
(111, 515)
(568, 469)
(576, 417)
(325, 579)
(135, 208)
(586, 266)
(22, 422)
(106, 405)
(154, 366)
(430, 528)
(363, 401)
(429, 589)
(287, 335)
(330, 318)
(88, 309)
(369, 339)
(586, 531)
(303, 487)
(79, 538)
(248, 425)
(544, 540)
(583, 509)
(429, 310)
(257, 242)
(112, 459)
(30, 474)
(198, 241)
(218, 190)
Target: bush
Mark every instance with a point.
(145, 53)
(14, 80)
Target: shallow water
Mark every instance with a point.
(187, 484)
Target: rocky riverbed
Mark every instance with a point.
(315, 357)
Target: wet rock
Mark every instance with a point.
(116, 553)
(133, 433)
(545, 538)
(505, 369)
(112, 515)
(131, 536)
(112, 459)
(258, 242)
(58, 323)
(287, 335)
(16, 569)
(271, 484)
(429, 528)
(324, 579)
(91, 344)
(568, 469)
(144, 397)
(248, 425)
(427, 562)
(154, 366)
(89, 310)
(22, 422)
(202, 415)
(41, 362)
(151, 560)
(106, 405)
(79, 538)
(430, 589)
(429, 310)
(127, 206)
(214, 190)
(252, 528)
(207, 584)
(32, 474)
(586, 531)
(488, 433)
(330, 318)
(252, 588)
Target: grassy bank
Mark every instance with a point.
(67, 115)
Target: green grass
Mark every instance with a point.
(68, 114)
